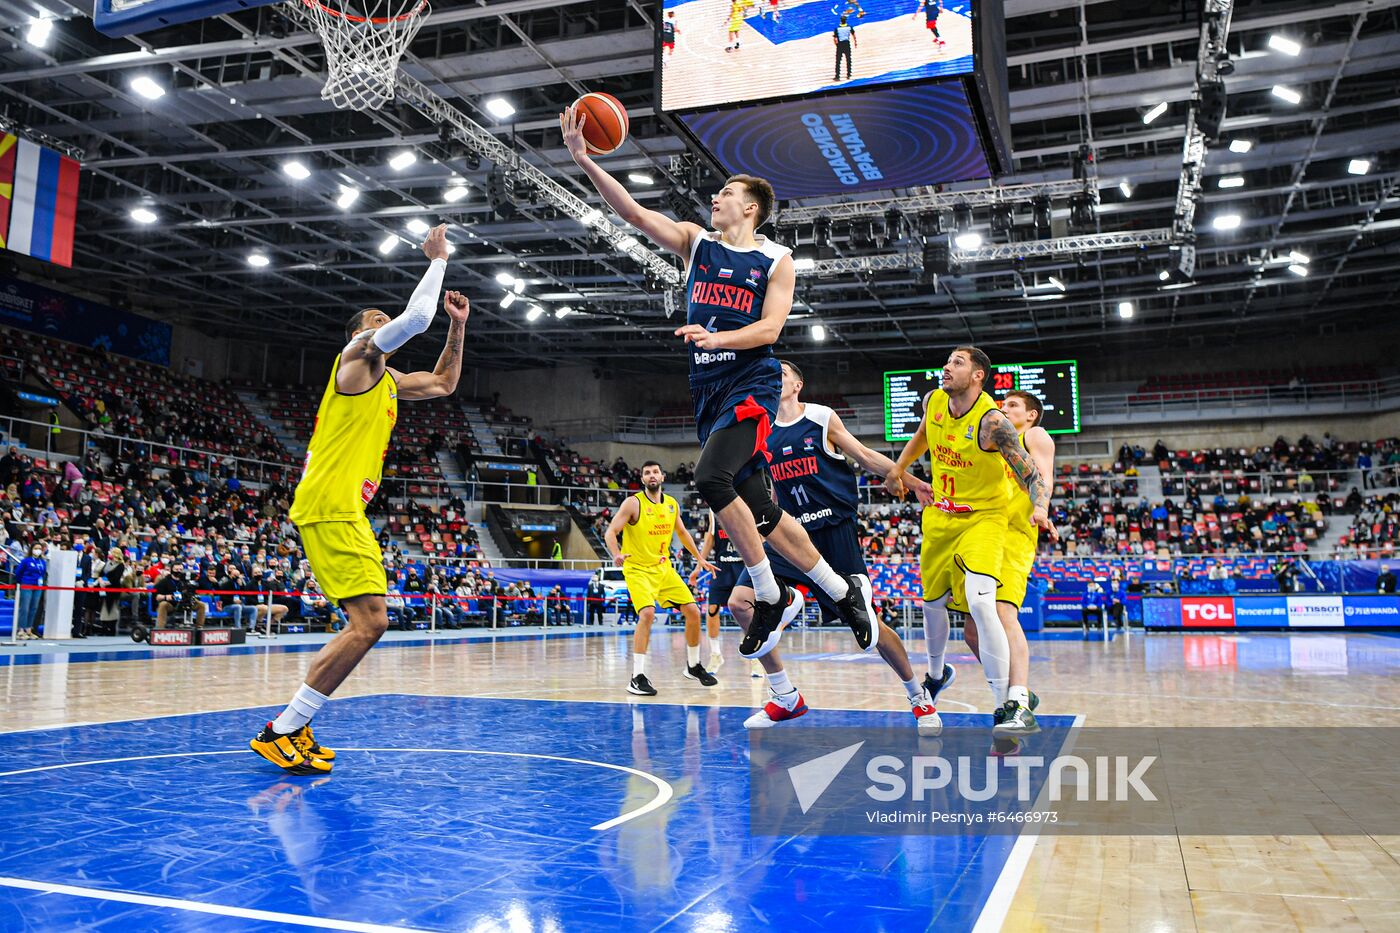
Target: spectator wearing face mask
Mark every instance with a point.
(32, 571)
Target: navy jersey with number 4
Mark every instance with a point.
(725, 288)
(815, 485)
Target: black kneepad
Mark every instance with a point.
(714, 486)
(757, 493)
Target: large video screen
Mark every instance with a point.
(862, 141)
(716, 52)
(1055, 383)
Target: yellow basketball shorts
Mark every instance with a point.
(658, 585)
(956, 544)
(345, 558)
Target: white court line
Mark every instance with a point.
(173, 903)
(998, 905)
(664, 791)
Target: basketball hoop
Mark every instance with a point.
(364, 40)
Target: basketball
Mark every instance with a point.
(606, 126)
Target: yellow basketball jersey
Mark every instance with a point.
(965, 477)
(345, 459)
(1020, 505)
(649, 540)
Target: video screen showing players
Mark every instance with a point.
(727, 51)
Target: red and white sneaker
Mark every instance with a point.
(775, 712)
(926, 716)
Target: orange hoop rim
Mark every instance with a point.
(372, 20)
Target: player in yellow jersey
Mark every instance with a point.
(344, 464)
(646, 521)
(971, 445)
(1015, 716)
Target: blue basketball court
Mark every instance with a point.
(447, 813)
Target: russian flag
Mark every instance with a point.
(43, 204)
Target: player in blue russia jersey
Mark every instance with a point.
(816, 484)
(739, 294)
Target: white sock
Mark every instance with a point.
(993, 644)
(831, 582)
(1020, 695)
(714, 647)
(639, 665)
(692, 655)
(780, 685)
(305, 704)
(936, 635)
(765, 585)
(915, 689)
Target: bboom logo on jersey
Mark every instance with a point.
(806, 517)
(705, 357)
(1208, 611)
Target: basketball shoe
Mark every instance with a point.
(925, 715)
(289, 752)
(858, 612)
(1014, 720)
(641, 686)
(769, 620)
(935, 687)
(777, 709)
(696, 672)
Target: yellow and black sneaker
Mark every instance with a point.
(311, 749)
(286, 752)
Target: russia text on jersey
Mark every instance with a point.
(719, 295)
(792, 469)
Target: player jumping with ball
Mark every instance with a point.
(739, 293)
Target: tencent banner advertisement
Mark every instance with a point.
(1314, 611)
(862, 141)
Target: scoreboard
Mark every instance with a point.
(1055, 383)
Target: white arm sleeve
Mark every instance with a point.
(418, 315)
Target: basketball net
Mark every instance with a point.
(364, 40)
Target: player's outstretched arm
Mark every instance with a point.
(443, 379)
(997, 433)
(777, 305)
(672, 235)
(362, 362)
(872, 460)
(914, 448)
(626, 514)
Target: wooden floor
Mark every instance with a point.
(1069, 883)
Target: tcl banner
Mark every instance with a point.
(1216, 612)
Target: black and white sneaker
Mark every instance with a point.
(641, 686)
(1014, 720)
(696, 672)
(857, 610)
(935, 687)
(769, 620)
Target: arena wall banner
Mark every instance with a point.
(1277, 611)
(87, 323)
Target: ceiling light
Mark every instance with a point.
(505, 278)
(1299, 269)
(1125, 309)
(1298, 258)
(563, 311)
(640, 178)
(417, 227)
(1241, 146)
(454, 193)
(818, 332)
(499, 108)
(295, 169)
(146, 87)
(257, 260)
(386, 246)
(1285, 45)
(591, 217)
(519, 286)
(1164, 276)
(508, 300)
(1230, 181)
(1359, 166)
(627, 242)
(535, 313)
(348, 194)
(1226, 222)
(1126, 188)
(143, 215)
(402, 160)
(804, 264)
(1155, 112)
(1286, 94)
(1056, 283)
(970, 240)
(39, 30)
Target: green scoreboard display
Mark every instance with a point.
(1055, 383)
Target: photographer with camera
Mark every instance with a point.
(175, 590)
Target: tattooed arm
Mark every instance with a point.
(997, 434)
(443, 379)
